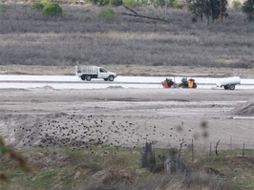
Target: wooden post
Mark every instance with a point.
(210, 151)
(216, 147)
(231, 143)
(192, 151)
(180, 151)
(243, 150)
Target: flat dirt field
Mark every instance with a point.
(127, 117)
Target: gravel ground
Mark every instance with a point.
(126, 117)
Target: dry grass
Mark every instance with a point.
(83, 168)
(80, 36)
(132, 70)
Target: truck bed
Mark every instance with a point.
(84, 69)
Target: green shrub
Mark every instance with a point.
(130, 3)
(100, 2)
(117, 2)
(236, 4)
(248, 9)
(162, 3)
(2, 9)
(169, 3)
(52, 9)
(173, 3)
(159, 3)
(44, 2)
(107, 2)
(40, 4)
(107, 12)
(37, 5)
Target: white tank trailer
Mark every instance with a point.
(229, 83)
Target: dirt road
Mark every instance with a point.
(127, 117)
(64, 82)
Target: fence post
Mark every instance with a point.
(243, 150)
(210, 151)
(192, 151)
(180, 151)
(231, 143)
(216, 147)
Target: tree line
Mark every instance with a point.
(213, 10)
(210, 10)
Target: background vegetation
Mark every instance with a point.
(104, 167)
(105, 36)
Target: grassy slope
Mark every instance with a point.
(81, 36)
(80, 168)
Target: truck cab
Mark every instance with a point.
(106, 75)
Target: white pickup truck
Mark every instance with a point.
(86, 72)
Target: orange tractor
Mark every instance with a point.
(169, 83)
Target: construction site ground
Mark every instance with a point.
(127, 117)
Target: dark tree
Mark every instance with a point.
(223, 9)
(248, 9)
(197, 8)
(211, 9)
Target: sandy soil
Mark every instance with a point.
(127, 117)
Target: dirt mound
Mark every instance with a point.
(246, 109)
(66, 129)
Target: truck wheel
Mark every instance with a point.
(111, 78)
(226, 87)
(83, 77)
(232, 87)
(88, 77)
